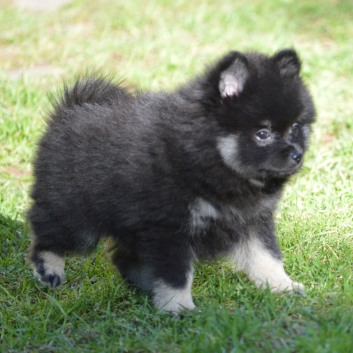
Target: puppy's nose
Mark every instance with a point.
(296, 156)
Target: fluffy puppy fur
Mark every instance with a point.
(172, 177)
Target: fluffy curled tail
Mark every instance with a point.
(88, 89)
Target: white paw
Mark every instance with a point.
(167, 298)
(298, 287)
(174, 305)
(279, 286)
(50, 271)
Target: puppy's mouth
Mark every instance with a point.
(286, 171)
(264, 175)
(275, 173)
(267, 176)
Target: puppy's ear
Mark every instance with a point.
(288, 62)
(233, 77)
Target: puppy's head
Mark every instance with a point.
(264, 112)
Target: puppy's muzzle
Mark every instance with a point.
(296, 156)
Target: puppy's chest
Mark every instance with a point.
(205, 216)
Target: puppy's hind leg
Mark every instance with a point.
(50, 241)
(48, 266)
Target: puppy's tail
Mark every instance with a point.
(94, 89)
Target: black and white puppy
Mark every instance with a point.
(172, 177)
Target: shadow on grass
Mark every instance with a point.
(13, 235)
(14, 242)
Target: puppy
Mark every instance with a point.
(172, 177)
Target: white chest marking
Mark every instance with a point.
(201, 212)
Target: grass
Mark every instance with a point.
(159, 44)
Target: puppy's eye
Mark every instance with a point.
(263, 135)
(295, 129)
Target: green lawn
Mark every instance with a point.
(158, 44)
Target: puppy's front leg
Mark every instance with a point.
(259, 257)
(169, 262)
(174, 299)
